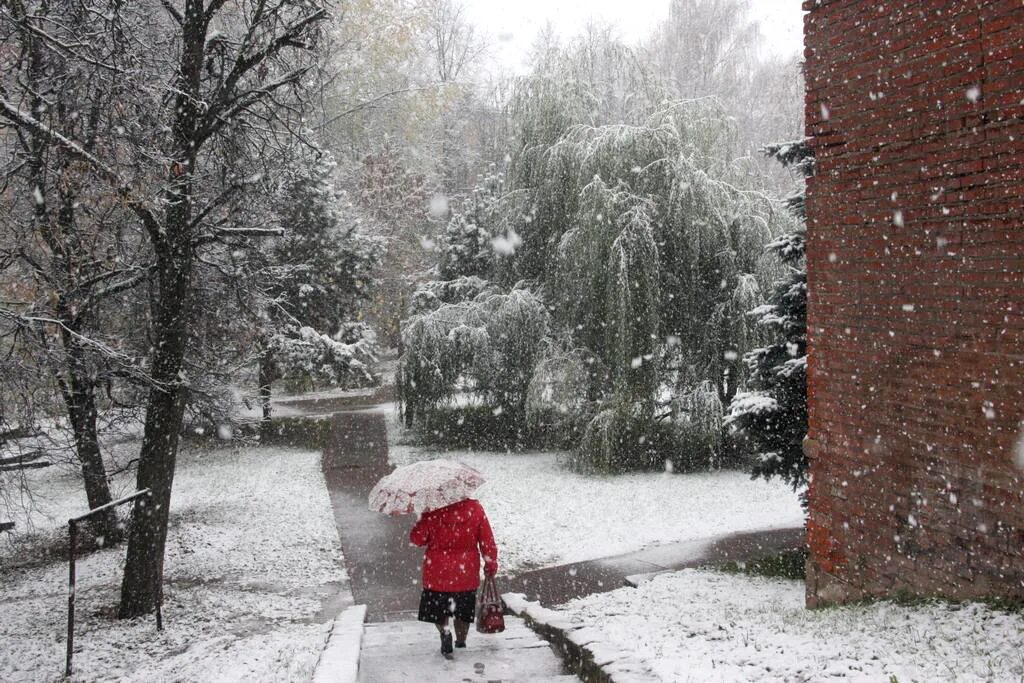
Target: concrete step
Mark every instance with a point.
(426, 636)
(399, 652)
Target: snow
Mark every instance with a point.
(339, 662)
(698, 625)
(753, 403)
(438, 206)
(545, 515)
(422, 486)
(506, 245)
(252, 556)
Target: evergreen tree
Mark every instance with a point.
(473, 237)
(324, 261)
(316, 276)
(773, 416)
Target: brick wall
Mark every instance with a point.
(916, 310)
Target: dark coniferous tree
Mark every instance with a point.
(773, 415)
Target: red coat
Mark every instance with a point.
(456, 536)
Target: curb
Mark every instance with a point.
(339, 662)
(584, 650)
(637, 580)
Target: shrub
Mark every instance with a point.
(475, 427)
(489, 346)
(622, 439)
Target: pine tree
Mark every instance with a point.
(773, 416)
(318, 274)
(473, 236)
(466, 249)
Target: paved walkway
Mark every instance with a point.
(383, 567)
(556, 585)
(408, 651)
(384, 570)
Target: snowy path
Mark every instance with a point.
(384, 572)
(384, 569)
(408, 651)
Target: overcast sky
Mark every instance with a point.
(513, 24)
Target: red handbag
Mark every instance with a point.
(490, 613)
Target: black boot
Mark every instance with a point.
(446, 644)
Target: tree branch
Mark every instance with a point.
(23, 120)
(245, 64)
(375, 100)
(175, 14)
(246, 99)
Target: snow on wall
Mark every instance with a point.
(916, 315)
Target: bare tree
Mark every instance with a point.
(224, 66)
(68, 236)
(454, 42)
(454, 49)
(712, 49)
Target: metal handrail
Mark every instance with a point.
(72, 574)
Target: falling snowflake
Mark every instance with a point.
(506, 245)
(438, 206)
(1018, 449)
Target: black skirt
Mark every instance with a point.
(436, 606)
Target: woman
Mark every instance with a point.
(455, 536)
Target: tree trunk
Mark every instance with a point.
(266, 379)
(141, 588)
(80, 399)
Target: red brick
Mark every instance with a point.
(901, 428)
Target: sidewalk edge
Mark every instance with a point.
(339, 661)
(584, 650)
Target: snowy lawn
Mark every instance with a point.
(545, 515)
(710, 626)
(252, 555)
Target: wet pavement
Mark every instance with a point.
(408, 652)
(557, 585)
(383, 567)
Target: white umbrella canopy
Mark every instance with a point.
(424, 486)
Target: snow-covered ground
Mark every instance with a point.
(544, 515)
(709, 626)
(252, 556)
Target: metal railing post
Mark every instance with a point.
(72, 580)
(71, 595)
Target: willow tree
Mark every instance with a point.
(638, 231)
(618, 438)
(484, 349)
(594, 81)
(704, 268)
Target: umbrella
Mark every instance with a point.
(423, 486)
